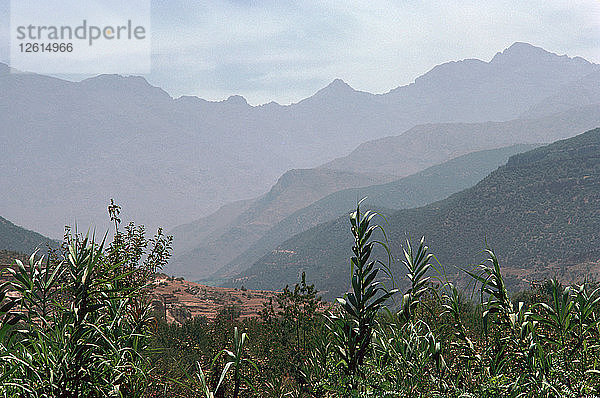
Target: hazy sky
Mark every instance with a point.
(285, 50)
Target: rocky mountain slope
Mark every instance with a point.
(540, 213)
(242, 224)
(17, 239)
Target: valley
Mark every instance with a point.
(440, 238)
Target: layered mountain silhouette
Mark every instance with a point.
(540, 213)
(473, 90)
(249, 236)
(425, 145)
(242, 223)
(68, 147)
(434, 183)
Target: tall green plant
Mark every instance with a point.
(353, 328)
(417, 264)
(409, 353)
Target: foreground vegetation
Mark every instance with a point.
(80, 323)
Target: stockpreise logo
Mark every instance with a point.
(83, 36)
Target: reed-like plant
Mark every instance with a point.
(235, 361)
(352, 329)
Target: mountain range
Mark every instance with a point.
(243, 223)
(429, 144)
(540, 213)
(304, 198)
(68, 147)
(429, 185)
(247, 235)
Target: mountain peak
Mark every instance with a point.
(335, 89)
(236, 100)
(116, 81)
(338, 85)
(270, 105)
(523, 46)
(518, 53)
(120, 83)
(525, 53)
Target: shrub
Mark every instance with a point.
(79, 321)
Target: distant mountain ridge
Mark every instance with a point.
(16, 239)
(426, 145)
(199, 154)
(434, 183)
(494, 90)
(581, 93)
(540, 213)
(419, 148)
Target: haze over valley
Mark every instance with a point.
(193, 156)
(232, 182)
(240, 199)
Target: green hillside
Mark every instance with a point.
(18, 239)
(419, 189)
(540, 213)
